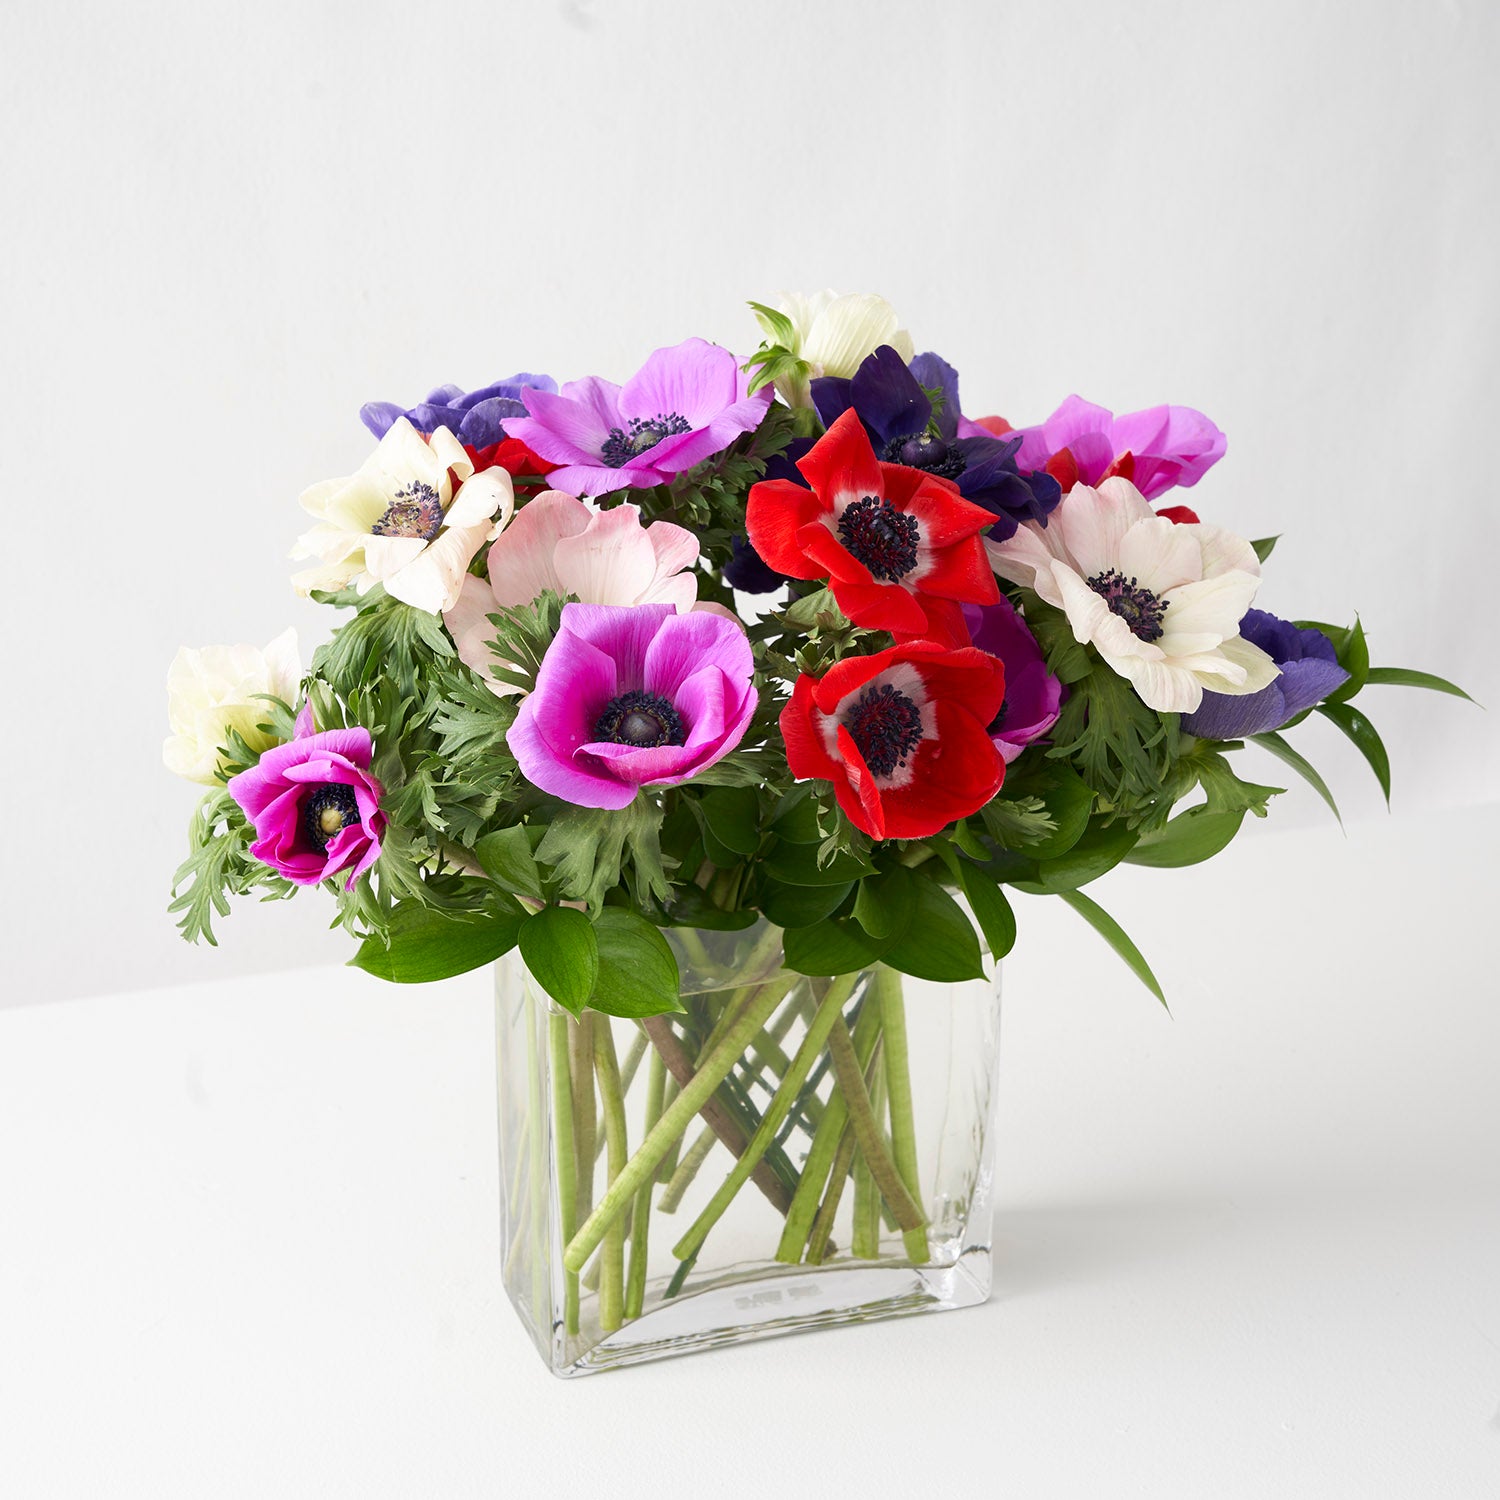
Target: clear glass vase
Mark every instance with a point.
(787, 1153)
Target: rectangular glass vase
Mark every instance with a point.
(787, 1153)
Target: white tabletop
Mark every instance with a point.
(248, 1231)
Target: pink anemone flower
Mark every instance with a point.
(314, 805)
(632, 697)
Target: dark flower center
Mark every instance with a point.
(644, 433)
(998, 722)
(886, 725)
(643, 721)
(329, 809)
(1138, 607)
(883, 538)
(921, 450)
(416, 511)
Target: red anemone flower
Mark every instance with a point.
(903, 735)
(882, 534)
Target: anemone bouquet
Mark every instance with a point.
(720, 711)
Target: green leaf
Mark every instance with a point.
(797, 864)
(939, 942)
(1068, 801)
(1112, 933)
(1405, 677)
(507, 859)
(638, 973)
(426, 944)
(1189, 839)
(562, 955)
(1354, 658)
(1099, 850)
(991, 910)
(796, 816)
(1283, 752)
(733, 817)
(1266, 546)
(1362, 732)
(838, 946)
(690, 907)
(776, 325)
(585, 847)
(885, 904)
(801, 905)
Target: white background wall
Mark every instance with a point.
(224, 227)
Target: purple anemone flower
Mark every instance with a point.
(473, 417)
(1169, 445)
(1033, 696)
(314, 805)
(1309, 672)
(631, 696)
(683, 405)
(892, 403)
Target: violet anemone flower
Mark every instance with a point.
(314, 805)
(1168, 445)
(683, 405)
(632, 696)
(891, 401)
(1033, 696)
(1310, 671)
(473, 417)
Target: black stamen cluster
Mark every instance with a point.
(416, 511)
(1140, 609)
(921, 450)
(330, 797)
(883, 538)
(886, 725)
(642, 720)
(623, 445)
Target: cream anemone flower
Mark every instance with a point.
(412, 518)
(1161, 603)
(559, 543)
(218, 689)
(834, 335)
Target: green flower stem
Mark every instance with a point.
(687, 1169)
(867, 1130)
(669, 1161)
(898, 1083)
(694, 1095)
(822, 1226)
(536, 1115)
(820, 1157)
(829, 1011)
(612, 1257)
(581, 1063)
(864, 1241)
(640, 1223)
(628, 1070)
(566, 1148)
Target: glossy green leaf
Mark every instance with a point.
(1362, 732)
(991, 910)
(939, 942)
(1112, 933)
(733, 817)
(1354, 658)
(1188, 839)
(1278, 747)
(562, 955)
(884, 903)
(1405, 677)
(838, 946)
(507, 859)
(638, 973)
(1265, 546)
(426, 944)
(1098, 851)
(801, 905)
(797, 864)
(1069, 801)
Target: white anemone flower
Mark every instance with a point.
(412, 518)
(217, 689)
(1161, 603)
(835, 334)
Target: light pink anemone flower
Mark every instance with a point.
(600, 556)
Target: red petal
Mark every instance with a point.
(1062, 468)
(833, 559)
(862, 801)
(945, 623)
(1180, 514)
(842, 462)
(775, 512)
(961, 572)
(946, 517)
(881, 606)
(806, 751)
(1122, 468)
(954, 775)
(998, 425)
(969, 677)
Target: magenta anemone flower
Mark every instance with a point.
(1169, 445)
(633, 695)
(683, 405)
(1033, 696)
(314, 805)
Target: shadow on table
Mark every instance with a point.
(1072, 1243)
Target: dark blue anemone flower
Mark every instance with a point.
(1310, 671)
(895, 409)
(473, 417)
